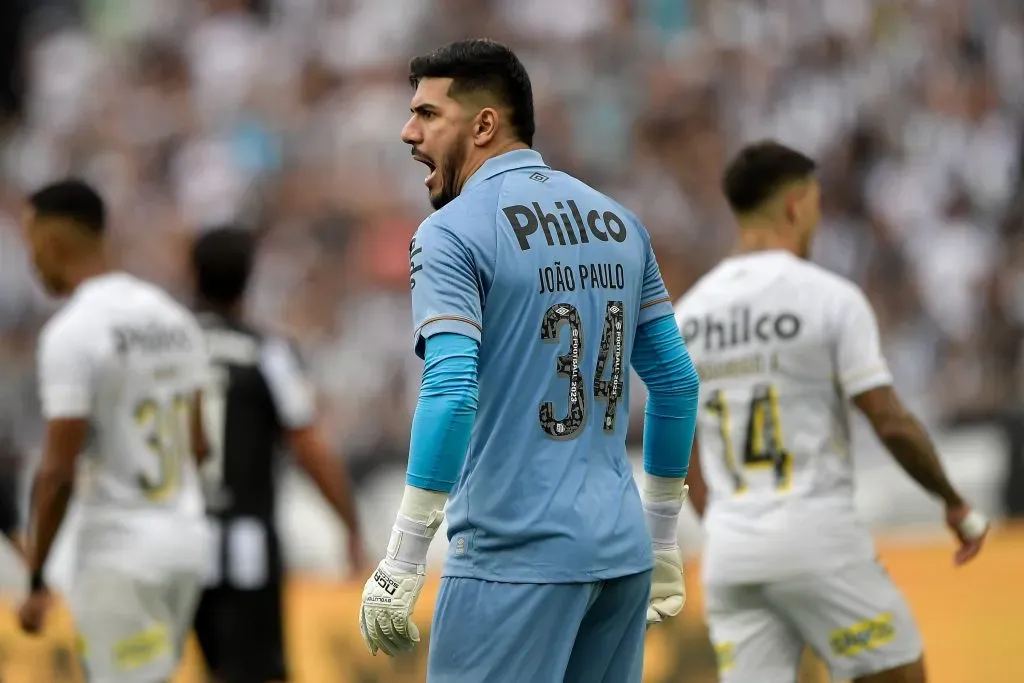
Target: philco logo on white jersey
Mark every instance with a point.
(154, 338)
(742, 326)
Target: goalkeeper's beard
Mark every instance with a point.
(448, 175)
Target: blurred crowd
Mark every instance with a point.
(284, 116)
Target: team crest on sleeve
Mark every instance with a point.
(414, 267)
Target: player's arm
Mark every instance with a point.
(200, 444)
(311, 451)
(65, 385)
(698, 488)
(10, 515)
(670, 419)
(447, 314)
(295, 404)
(907, 440)
(865, 379)
(673, 388)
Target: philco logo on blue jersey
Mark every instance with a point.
(601, 226)
(742, 327)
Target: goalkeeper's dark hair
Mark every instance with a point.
(222, 259)
(759, 171)
(482, 65)
(73, 200)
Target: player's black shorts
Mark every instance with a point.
(241, 633)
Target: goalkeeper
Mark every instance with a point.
(531, 293)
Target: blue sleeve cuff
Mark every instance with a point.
(443, 422)
(444, 324)
(673, 387)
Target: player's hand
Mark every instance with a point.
(668, 591)
(385, 618)
(970, 527)
(32, 615)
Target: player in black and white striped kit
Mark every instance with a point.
(258, 404)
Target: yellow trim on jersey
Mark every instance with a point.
(785, 467)
(765, 446)
(166, 428)
(851, 377)
(718, 406)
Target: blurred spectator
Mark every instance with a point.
(285, 115)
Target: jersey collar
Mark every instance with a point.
(766, 255)
(503, 163)
(102, 279)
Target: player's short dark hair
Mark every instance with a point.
(73, 200)
(482, 65)
(760, 170)
(222, 258)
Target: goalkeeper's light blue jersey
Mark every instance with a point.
(552, 278)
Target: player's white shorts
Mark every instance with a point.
(132, 630)
(854, 618)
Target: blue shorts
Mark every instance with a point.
(487, 632)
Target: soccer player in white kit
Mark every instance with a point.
(783, 347)
(121, 368)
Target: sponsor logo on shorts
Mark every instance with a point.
(726, 655)
(863, 636)
(142, 648)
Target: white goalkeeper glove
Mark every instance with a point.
(668, 590)
(663, 500)
(389, 596)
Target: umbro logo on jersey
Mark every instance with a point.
(740, 327)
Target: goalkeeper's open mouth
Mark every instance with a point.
(429, 164)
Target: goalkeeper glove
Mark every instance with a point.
(663, 500)
(389, 596)
(668, 590)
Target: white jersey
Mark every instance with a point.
(126, 356)
(781, 346)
